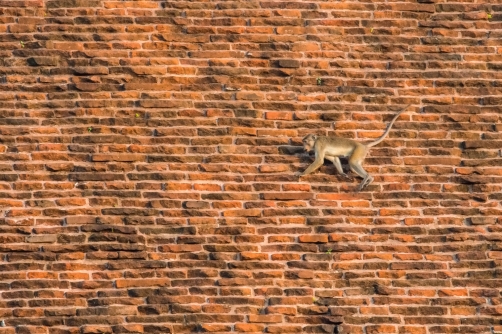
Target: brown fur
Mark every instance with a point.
(334, 148)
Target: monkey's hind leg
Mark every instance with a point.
(338, 165)
(367, 179)
(366, 182)
(355, 164)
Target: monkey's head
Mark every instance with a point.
(308, 142)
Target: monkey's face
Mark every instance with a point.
(308, 142)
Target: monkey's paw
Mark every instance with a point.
(298, 174)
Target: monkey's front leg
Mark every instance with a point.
(315, 165)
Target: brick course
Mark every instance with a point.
(148, 149)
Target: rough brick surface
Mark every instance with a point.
(148, 149)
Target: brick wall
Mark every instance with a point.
(148, 151)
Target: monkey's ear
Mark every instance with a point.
(314, 137)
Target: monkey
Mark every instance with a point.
(333, 148)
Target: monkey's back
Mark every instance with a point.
(338, 147)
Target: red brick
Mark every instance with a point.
(284, 329)
(96, 329)
(381, 329)
(313, 238)
(215, 328)
(269, 318)
(241, 327)
(117, 157)
(142, 283)
(179, 248)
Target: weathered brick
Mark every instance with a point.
(288, 63)
(483, 220)
(268, 318)
(80, 220)
(44, 238)
(98, 70)
(43, 61)
(96, 329)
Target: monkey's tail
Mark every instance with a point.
(379, 140)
